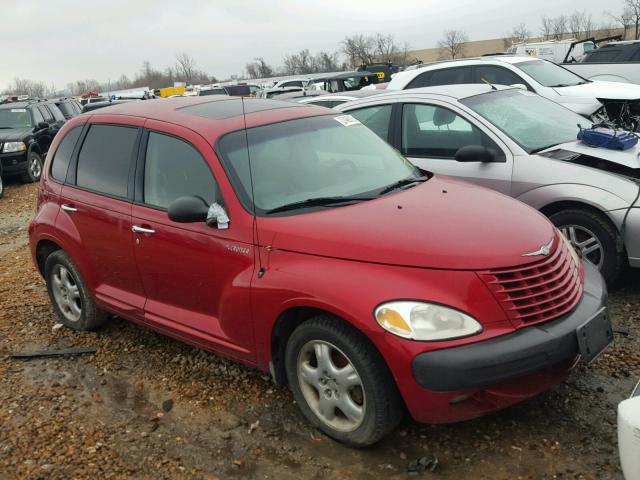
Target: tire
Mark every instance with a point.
(69, 295)
(1, 186)
(372, 401)
(578, 225)
(34, 168)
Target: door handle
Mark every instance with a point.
(68, 208)
(139, 229)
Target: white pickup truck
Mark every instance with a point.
(614, 62)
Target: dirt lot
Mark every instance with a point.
(96, 415)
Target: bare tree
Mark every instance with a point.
(359, 49)
(588, 26)
(33, 88)
(185, 67)
(623, 19)
(259, 69)
(576, 22)
(519, 34)
(452, 44)
(633, 8)
(327, 62)
(559, 27)
(546, 28)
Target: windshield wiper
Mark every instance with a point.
(318, 202)
(537, 150)
(403, 183)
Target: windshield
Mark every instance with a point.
(15, 118)
(533, 122)
(549, 74)
(310, 158)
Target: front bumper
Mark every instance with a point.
(13, 163)
(464, 382)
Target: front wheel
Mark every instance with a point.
(595, 238)
(34, 168)
(341, 383)
(1, 186)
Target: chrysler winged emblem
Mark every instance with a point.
(543, 250)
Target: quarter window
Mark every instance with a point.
(63, 154)
(375, 118)
(174, 169)
(105, 159)
(48, 117)
(432, 131)
(496, 75)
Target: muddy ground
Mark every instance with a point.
(96, 415)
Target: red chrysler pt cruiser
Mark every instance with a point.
(292, 239)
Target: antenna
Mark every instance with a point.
(253, 198)
(493, 87)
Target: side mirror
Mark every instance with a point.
(190, 209)
(521, 86)
(475, 153)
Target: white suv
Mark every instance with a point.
(586, 97)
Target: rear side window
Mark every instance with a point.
(57, 114)
(446, 76)
(63, 154)
(37, 116)
(105, 159)
(174, 169)
(496, 75)
(375, 118)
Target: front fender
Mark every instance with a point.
(595, 197)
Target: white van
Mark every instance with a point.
(553, 50)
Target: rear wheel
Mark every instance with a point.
(69, 295)
(1, 185)
(595, 238)
(341, 383)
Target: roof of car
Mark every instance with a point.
(213, 116)
(455, 92)
(350, 95)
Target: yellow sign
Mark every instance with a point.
(380, 75)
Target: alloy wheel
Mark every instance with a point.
(586, 242)
(331, 386)
(35, 166)
(66, 293)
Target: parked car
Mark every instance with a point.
(383, 70)
(94, 99)
(69, 107)
(596, 100)
(291, 82)
(276, 92)
(334, 99)
(26, 131)
(614, 62)
(349, 81)
(296, 241)
(629, 435)
(525, 146)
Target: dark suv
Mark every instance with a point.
(615, 52)
(26, 131)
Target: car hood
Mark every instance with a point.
(443, 223)
(602, 89)
(627, 158)
(13, 134)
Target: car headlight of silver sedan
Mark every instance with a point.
(425, 321)
(10, 147)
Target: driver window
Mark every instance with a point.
(433, 131)
(174, 169)
(375, 118)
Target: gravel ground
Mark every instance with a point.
(101, 415)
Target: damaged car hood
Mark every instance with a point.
(601, 89)
(570, 151)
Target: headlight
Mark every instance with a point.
(574, 254)
(9, 147)
(425, 321)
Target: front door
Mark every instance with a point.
(431, 134)
(196, 277)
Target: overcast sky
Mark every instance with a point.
(59, 41)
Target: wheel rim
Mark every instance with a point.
(586, 242)
(331, 386)
(35, 166)
(66, 293)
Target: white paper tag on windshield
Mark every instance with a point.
(347, 120)
(18, 110)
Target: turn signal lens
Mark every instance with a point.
(393, 322)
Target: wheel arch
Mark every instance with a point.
(44, 248)
(556, 207)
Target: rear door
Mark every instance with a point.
(196, 276)
(95, 211)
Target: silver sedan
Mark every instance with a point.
(525, 146)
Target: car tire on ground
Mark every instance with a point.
(1, 185)
(34, 167)
(69, 295)
(341, 382)
(595, 238)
